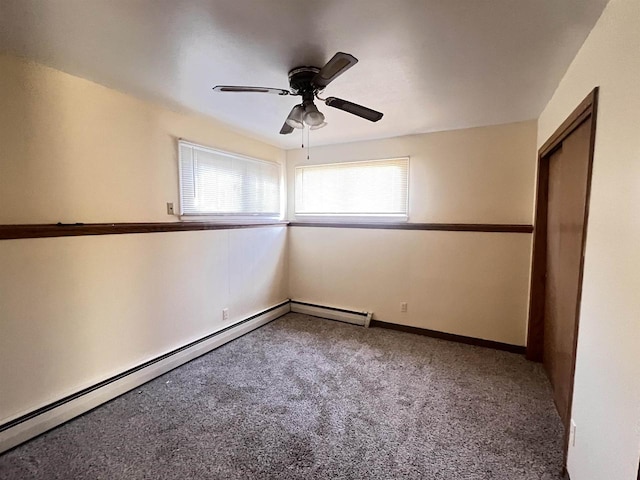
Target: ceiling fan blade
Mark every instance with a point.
(241, 89)
(286, 129)
(339, 63)
(354, 108)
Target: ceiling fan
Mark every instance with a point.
(307, 82)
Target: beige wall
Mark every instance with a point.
(75, 151)
(606, 401)
(77, 310)
(476, 175)
(74, 311)
(473, 284)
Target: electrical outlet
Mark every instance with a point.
(170, 208)
(225, 314)
(572, 434)
(403, 307)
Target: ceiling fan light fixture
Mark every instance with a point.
(295, 117)
(312, 116)
(316, 127)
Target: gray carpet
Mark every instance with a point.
(305, 398)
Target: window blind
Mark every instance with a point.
(213, 182)
(369, 188)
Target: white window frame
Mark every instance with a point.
(351, 217)
(231, 217)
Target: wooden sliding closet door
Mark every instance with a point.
(567, 203)
(562, 207)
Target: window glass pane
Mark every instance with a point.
(377, 187)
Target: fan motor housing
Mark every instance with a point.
(300, 79)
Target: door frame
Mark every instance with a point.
(587, 109)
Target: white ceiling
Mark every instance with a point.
(427, 64)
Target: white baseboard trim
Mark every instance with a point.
(342, 315)
(28, 426)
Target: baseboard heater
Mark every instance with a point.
(27, 426)
(332, 313)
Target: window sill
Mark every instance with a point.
(230, 220)
(349, 219)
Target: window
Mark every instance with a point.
(376, 188)
(216, 183)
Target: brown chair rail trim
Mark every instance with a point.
(441, 227)
(478, 342)
(12, 232)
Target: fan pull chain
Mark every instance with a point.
(302, 131)
(308, 141)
